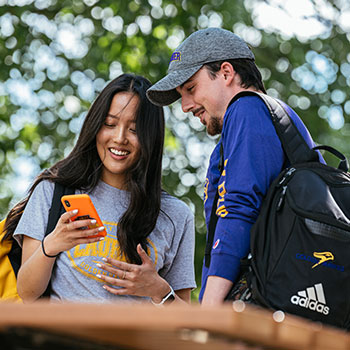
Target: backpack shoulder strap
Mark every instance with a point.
(56, 209)
(293, 143)
(213, 217)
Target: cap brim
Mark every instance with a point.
(164, 92)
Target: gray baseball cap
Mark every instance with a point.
(204, 46)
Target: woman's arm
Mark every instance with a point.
(35, 272)
(184, 294)
(36, 268)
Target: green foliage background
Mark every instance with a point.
(47, 84)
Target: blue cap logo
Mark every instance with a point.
(176, 56)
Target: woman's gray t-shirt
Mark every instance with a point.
(171, 244)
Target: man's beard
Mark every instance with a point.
(214, 126)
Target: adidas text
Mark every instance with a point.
(312, 298)
(310, 304)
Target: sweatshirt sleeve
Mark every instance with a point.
(253, 157)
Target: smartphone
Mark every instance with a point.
(86, 208)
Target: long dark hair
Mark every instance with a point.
(82, 168)
(245, 67)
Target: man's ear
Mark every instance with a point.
(227, 72)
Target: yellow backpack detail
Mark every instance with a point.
(8, 281)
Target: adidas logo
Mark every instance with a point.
(312, 298)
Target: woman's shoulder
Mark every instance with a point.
(44, 188)
(46, 184)
(171, 204)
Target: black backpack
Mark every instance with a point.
(300, 242)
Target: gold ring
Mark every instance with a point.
(124, 275)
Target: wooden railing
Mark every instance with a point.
(94, 326)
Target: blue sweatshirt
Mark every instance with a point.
(253, 158)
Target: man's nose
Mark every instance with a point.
(187, 103)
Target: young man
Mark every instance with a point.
(207, 70)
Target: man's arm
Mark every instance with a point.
(216, 290)
(253, 157)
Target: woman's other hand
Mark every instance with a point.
(132, 279)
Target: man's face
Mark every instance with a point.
(204, 97)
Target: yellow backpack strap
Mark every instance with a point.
(8, 282)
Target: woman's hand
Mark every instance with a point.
(67, 234)
(138, 280)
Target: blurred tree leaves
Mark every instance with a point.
(55, 56)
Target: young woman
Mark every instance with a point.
(149, 247)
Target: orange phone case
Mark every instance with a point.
(86, 208)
